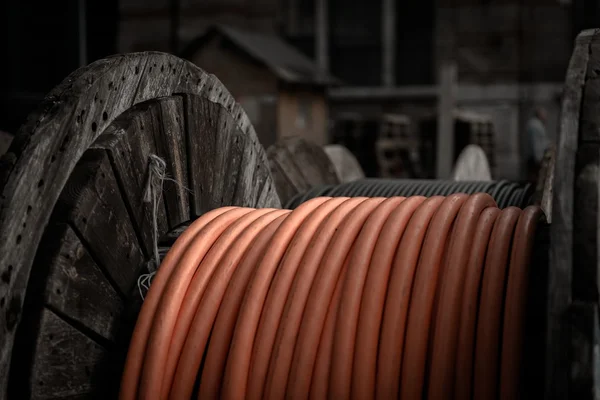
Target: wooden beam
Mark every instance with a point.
(445, 122)
(322, 36)
(465, 93)
(379, 93)
(388, 37)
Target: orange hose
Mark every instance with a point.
(340, 298)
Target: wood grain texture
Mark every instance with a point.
(585, 336)
(585, 223)
(226, 165)
(171, 142)
(78, 289)
(561, 233)
(547, 183)
(95, 209)
(63, 342)
(47, 148)
(297, 165)
(60, 341)
(129, 141)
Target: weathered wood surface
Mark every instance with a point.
(61, 342)
(114, 113)
(170, 138)
(346, 165)
(298, 165)
(129, 142)
(78, 288)
(564, 272)
(92, 204)
(545, 183)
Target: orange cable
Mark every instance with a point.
(340, 298)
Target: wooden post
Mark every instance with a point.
(445, 121)
(322, 36)
(388, 38)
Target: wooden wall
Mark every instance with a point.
(251, 84)
(293, 105)
(506, 40)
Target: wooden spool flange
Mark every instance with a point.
(573, 329)
(298, 165)
(75, 231)
(344, 162)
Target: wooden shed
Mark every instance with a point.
(281, 89)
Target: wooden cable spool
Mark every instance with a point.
(573, 330)
(72, 212)
(75, 233)
(298, 165)
(345, 163)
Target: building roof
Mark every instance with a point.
(285, 61)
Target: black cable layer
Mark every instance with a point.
(506, 193)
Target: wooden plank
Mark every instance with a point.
(223, 183)
(590, 107)
(585, 223)
(590, 110)
(77, 288)
(288, 180)
(171, 144)
(201, 118)
(239, 190)
(561, 231)
(546, 200)
(130, 141)
(244, 153)
(585, 359)
(63, 355)
(97, 212)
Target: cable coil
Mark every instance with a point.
(506, 193)
(340, 298)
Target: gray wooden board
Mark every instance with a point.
(129, 141)
(63, 342)
(560, 283)
(97, 212)
(47, 148)
(78, 289)
(171, 143)
(585, 364)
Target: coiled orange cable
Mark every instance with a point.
(341, 298)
